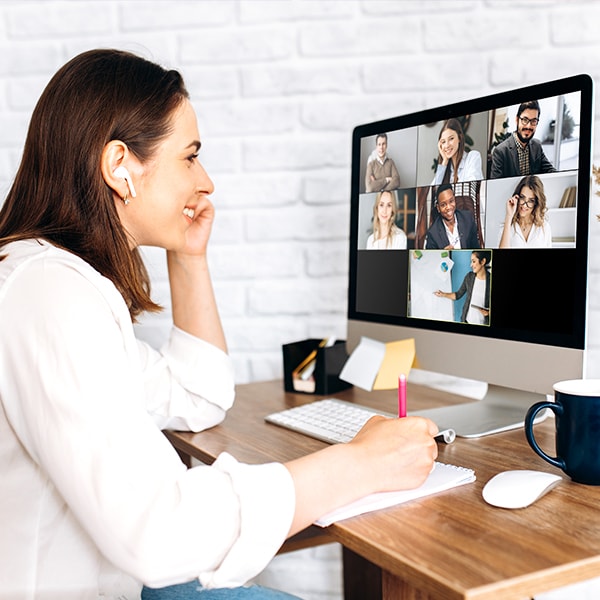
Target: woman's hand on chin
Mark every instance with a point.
(198, 233)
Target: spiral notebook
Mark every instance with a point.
(443, 477)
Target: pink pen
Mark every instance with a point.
(401, 396)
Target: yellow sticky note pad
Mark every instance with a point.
(399, 358)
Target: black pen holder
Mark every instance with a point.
(329, 363)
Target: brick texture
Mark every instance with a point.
(278, 86)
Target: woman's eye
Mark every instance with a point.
(192, 157)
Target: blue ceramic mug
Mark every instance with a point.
(577, 411)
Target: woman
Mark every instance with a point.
(476, 286)
(94, 500)
(454, 163)
(386, 234)
(525, 224)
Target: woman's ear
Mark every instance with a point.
(115, 155)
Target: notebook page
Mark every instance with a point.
(443, 477)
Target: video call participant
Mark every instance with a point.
(454, 163)
(521, 153)
(525, 225)
(452, 229)
(476, 286)
(382, 174)
(386, 234)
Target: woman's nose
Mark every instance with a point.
(205, 183)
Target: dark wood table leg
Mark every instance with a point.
(362, 579)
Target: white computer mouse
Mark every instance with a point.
(518, 489)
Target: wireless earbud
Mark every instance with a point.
(124, 173)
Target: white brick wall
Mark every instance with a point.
(278, 86)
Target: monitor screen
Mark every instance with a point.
(469, 225)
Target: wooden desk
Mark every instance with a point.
(445, 547)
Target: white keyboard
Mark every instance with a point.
(334, 421)
(330, 420)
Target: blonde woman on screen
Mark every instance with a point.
(386, 234)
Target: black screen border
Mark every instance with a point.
(582, 83)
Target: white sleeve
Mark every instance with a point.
(189, 384)
(74, 395)
(500, 233)
(400, 241)
(472, 170)
(439, 175)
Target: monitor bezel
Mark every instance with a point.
(578, 83)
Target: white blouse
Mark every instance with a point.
(469, 169)
(539, 237)
(474, 315)
(94, 501)
(399, 242)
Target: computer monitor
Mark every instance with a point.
(487, 294)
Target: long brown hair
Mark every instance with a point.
(454, 125)
(58, 193)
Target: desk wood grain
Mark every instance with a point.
(450, 546)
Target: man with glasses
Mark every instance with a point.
(521, 154)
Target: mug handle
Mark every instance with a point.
(529, 419)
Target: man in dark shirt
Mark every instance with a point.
(453, 229)
(521, 154)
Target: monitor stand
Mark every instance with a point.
(501, 409)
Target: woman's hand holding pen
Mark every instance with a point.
(395, 453)
(386, 454)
